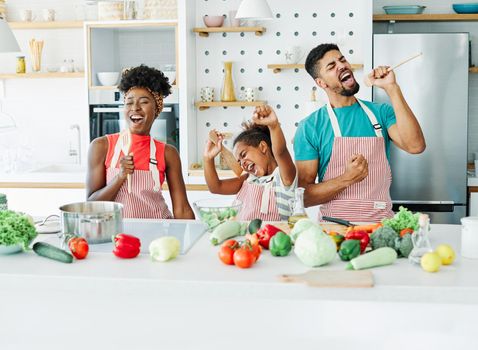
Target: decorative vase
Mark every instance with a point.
(227, 93)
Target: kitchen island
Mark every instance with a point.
(196, 302)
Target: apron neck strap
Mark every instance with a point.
(153, 165)
(373, 120)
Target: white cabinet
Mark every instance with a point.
(474, 204)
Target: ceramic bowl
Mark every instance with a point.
(213, 21)
(108, 78)
(10, 249)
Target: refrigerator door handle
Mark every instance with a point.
(424, 202)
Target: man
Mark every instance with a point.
(347, 142)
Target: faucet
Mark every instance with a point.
(76, 152)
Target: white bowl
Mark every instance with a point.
(108, 78)
(171, 75)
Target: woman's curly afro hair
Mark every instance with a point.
(147, 77)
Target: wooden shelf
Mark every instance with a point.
(42, 75)
(46, 25)
(276, 68)
(473, 69)
(204, 32)
(205, 105)
(426, 17)
(220, 173)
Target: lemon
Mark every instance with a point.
(431, 262)
(446, 253)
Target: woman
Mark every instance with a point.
(134, 176)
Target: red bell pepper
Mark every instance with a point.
(361, 236)
(126, 246)
(265, 234)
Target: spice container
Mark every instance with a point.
(3, 202)
(21, 67)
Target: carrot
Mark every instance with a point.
(405, 231)
(367, 228)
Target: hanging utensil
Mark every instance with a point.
(227, 154)
(367, 79)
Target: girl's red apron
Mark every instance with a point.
(368, 200)
(258, 200)
(145, 200)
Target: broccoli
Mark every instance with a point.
(383, 237)
(404, 245)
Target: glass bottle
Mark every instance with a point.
(227, 92)
(421, 243)
(3, 202)
(297, 207)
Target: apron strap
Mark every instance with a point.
(116, 154)
(153, 165)
(377, 127)
(266, 196)
(371, 117)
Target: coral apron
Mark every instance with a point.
(145, 200)
(368, 200)
(258, 201)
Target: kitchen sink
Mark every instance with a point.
(60, 168)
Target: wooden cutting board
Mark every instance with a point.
(332, 278)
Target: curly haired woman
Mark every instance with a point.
(147, 164)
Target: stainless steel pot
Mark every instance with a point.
(95, 221)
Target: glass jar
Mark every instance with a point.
(3, 202)
(21, 67)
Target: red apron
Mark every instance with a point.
(368, 200)
(145, 200)
(258, 201)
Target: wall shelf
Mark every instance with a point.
(220, 172)
(426, 17)
(46, 25)
(42, 75)
(205, 105)
(276, 68)
(204, 32)
(473, 70)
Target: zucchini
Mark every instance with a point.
(378, 257)
(255, 225)
(49, 251)
(226, 230)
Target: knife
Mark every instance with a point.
(338, 221)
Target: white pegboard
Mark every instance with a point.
(306, 24)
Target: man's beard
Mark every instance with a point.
(350, 92)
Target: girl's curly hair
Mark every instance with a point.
(253, 134)
(146, 77)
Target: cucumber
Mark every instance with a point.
(255, 225)
(226, 230)
(49, 251)
(378, 257)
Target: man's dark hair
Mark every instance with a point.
(146, 77)
(312, 61)
(253, 134)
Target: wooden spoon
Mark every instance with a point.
(126, 138)
(227, 154)
(367, 79)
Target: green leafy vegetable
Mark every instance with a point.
(215, 217)
(404, 245)
(16, 228)
(384, 237)
(403, 219)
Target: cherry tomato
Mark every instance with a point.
(78, 247)
(244, 258)
(226, 252)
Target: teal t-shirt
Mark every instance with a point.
(314, 136)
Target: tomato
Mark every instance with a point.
(244, 258)
(78, 247)
(256, 250)
(226, 252)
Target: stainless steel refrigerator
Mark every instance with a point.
(435, 86)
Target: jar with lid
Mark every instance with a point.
(21, 67)
(3, 202)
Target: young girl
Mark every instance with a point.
(134, 175)
(270, 178)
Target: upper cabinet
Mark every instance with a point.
(115, 46)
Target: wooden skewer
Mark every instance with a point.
(367, 79)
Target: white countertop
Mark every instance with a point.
(196, 302)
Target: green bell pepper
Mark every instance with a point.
(349, 249)
(280, 244)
